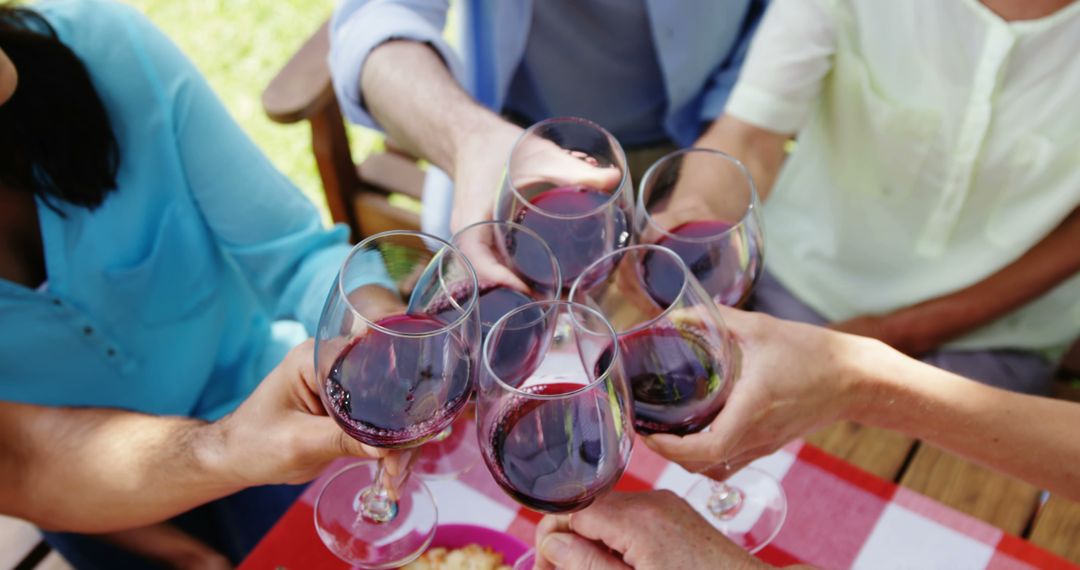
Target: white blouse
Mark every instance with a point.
(937, 144)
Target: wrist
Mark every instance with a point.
(472, 135)
(865, 373)
(213, 446)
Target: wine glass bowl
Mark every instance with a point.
(395, 352)
(555, 428)
(676, 351)
(702, 204)
(567, 180)
(514, 267)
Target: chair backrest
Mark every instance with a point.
(360, 196)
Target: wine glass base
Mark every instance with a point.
(526, 561)
(753, 518)
(363, 541)
(451, 456)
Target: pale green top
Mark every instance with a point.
(937, 144)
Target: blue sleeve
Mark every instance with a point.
(723, 81)
(261, 221)
(359, 26)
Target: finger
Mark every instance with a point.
(340, 444)
(548, 525)
(703, 447)
(397, 462)
(315, 441)
(566, 550)
(614, 520)
(477, 247)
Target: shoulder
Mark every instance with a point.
(84, 25)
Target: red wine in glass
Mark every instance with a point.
(561, 216)
(547, 454)
(420, 390)
(494, 302)
(722, 278)
(674, 377)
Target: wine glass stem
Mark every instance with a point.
(725, 500)
(375, 504)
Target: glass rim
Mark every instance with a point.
(650, 173)
(517, 227)
(470, 305)
(612, 196)
(687, 275)
(485, 352)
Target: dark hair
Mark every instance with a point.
(55, 136)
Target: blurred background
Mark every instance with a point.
(239, 45)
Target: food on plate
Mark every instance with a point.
(471, 557)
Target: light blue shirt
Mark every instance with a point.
(699, 45)
(595, 59)
(169, 298)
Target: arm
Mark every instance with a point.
(923, 327)
(100, 470)
(257, 216)
(986, 425)
(411, 93)
(778, 84)
(842, 376)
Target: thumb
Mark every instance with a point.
(566, 550)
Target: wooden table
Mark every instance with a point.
(1005, 502)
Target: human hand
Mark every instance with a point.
(654, 529)
(481, 163)
(281, 433)
(794, 378)
(479, 243)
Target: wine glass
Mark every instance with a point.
(491, 248)
(554, 417)
(567, 180)
(701, 204)
(680, 360)
(396, 353)
(526, 561)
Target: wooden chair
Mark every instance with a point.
(357, 195)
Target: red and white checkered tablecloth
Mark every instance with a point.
(839, 516)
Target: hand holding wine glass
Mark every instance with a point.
(481, 164)
(567, 180)
(773, 403)
(653, 529)
(393, 374)
(681, 362)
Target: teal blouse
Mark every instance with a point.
(174, 296)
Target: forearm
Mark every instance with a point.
(761, 151)
(1028, 437)
(410, 92)
(1043, 267)
(95, 470)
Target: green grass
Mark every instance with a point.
(240, 45)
